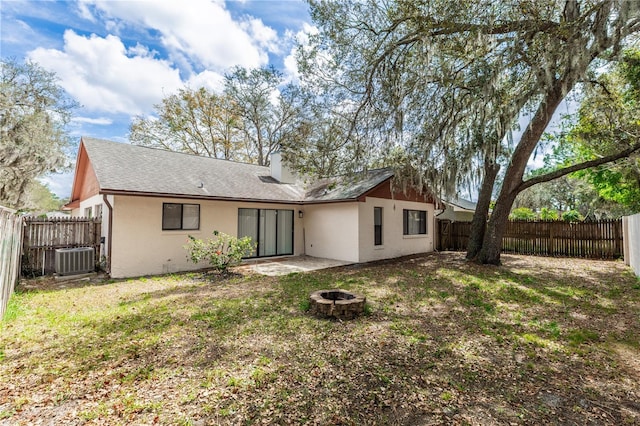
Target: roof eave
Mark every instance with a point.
(196, 197)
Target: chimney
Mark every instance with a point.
(279, 169)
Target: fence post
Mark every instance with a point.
(10, 242)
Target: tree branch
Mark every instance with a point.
(577, 167)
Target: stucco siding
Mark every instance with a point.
(92, 202)
(394, 243)
(88, 202)
(331, 231)
(456, 216)
(141, 247)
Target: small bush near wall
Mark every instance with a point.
(221, 252)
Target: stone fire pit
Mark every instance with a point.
(336, 303)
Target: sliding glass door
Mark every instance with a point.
(271, 229)
(248, 226)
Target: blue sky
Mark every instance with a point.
(117, 58)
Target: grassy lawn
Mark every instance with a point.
(536, 341)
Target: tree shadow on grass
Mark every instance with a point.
(439, 347)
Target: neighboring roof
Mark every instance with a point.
(462, 204)
(121, 168)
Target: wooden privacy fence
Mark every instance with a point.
(42, 236)
(10, 238)
(599, 240)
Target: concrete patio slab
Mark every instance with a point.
(288, 265)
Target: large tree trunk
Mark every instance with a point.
(512, 184)
(492, 243)
(479, 223)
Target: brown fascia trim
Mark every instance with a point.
(211, 198)
(196, 197)
(344, 200)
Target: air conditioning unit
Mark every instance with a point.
(73, 261)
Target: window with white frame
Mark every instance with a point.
(87, 212)
(414, 222)
(97, 209)
(177, 216)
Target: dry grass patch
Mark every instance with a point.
(538, 340)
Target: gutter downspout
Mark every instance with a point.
(109, 232)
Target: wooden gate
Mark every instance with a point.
(42, 236)
(453, 235)
(444, 235)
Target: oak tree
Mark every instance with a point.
(193, 121)
(34, 111)
(270, 109)
(449, 81)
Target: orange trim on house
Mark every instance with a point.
(383, 190)
(72, 205)
(85, 181)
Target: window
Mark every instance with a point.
(180, 216)
(414, 222)
(377, 226)
(98, 211)
(87, 212)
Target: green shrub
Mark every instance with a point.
(549, 214)
(572, 216)
(222, 251)
(522, 213)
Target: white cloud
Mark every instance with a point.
(141, 51)
(84, 12)
(59, 183)
(209, 79)
(263, 35)
(299, 38)
(100, 121)
(202, 30)
(103, 76)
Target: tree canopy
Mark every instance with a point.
(448, 81)
(194, 121)
(34, 110)
(605, 123)
(256, 114)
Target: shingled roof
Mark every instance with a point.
(462, 204)
(346, 187)
(122, 168)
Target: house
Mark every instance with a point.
(151, 200)
(457, 210)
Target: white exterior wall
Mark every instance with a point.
(394, 244)
(93, 202)
(89, 202)
(632, 242)
(141, 247)
(454, 215)
(331, 231)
